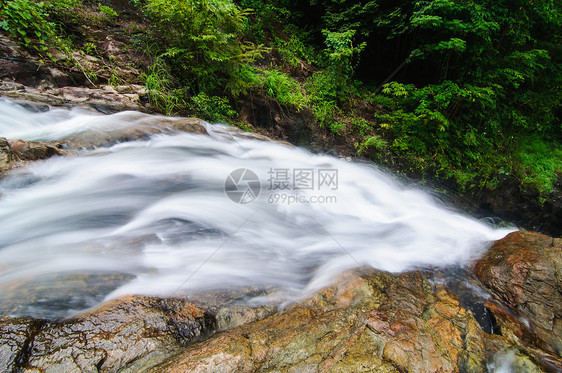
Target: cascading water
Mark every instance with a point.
(181, 213)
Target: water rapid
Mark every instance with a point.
(179, 213)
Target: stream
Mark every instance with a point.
(174, 213)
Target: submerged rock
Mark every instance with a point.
(125, 333)
(524, 272)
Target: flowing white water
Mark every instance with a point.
(157, 212)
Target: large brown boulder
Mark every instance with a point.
(524, 273)
(125, 333)
(373, 322)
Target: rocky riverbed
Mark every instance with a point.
(367, 321)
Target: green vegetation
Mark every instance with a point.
(464, 90)
(202, 45)
(542, 163)
(27, 21)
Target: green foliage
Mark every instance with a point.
(107, 11)
(375, 142)
(247, 78)
(327, 114)
(294, 51)
(397, 89)
(284, 88)
(160, 85)
(201, 41)
(330, 87)
(540, 163)
(212, 108)
(340, 54)
(90, 48)
(457, 87)
(361, 125)
(323, 88)
(478, 79)
(115, 79)
(446, 125)
(27, 21)
(137, 3)
(69, 14)
(273, 82)
(266, 15)
(244, 127)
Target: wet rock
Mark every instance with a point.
(15, 342)
(374, 321)
(145, 126)
(32, 151)
(15, 153)
(6, 155)
(524, 272)
(235, 307)
(526, 207)
(105, 99)
(52, 296)
(120, 335)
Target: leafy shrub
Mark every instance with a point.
(326, 114)
(361, 125)
(160, 85)
(375, 142)
(212, 108)
(452, 128)
(201, 41)
(294, 50)
(541, 163)
(107, 11)
(263, 19)
(282, 87)
(341, 55)
(27, 21)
